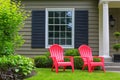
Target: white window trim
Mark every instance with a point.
(46, 25)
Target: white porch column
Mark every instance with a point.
(100, 30)
(105, 30)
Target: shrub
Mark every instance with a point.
(116, 45)
(42, 61)
(12, 15)
(47, 54)
(78, 62)
(15, 67)
(97, 60)
(71, 52)
(45, 61)
(49, 63)
(116, 34)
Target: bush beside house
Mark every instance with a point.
(45, 62)
(15, 67)
(116, 47)
(12, 67)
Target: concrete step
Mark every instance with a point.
(112, 66)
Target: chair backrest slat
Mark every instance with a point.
(57, 51)
(85, 51)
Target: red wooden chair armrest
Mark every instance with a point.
(70, 57)
(87, 58)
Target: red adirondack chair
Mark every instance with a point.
(86, 54)
(56, 53)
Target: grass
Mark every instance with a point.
(47, 74)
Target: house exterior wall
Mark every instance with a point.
(90, 5)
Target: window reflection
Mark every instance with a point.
(69, 25)
(69, 13)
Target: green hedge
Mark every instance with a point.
(71, 52)
(78, 62)
(44, 61)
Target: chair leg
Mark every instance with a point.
(89, 68)
(64, 67)
(103, 68)
(72, 68)
(83, 67)
(56, 68)
(52, 67)
(92, 68)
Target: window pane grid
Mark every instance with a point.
(60, 27)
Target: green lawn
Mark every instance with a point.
(47, 74)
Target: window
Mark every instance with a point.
(60, 27)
